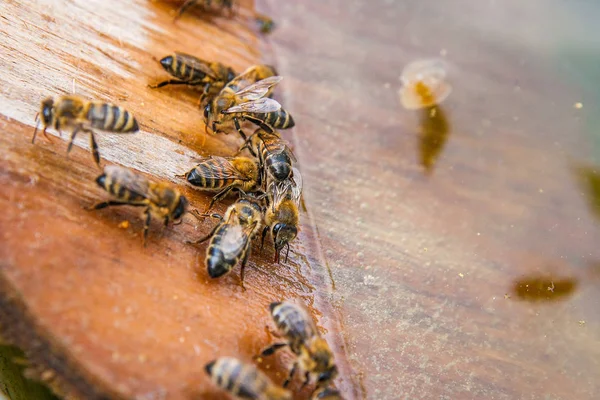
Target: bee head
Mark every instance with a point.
(283, 234)
(329, 394)
(209, 367)
(166, 62)
(101, 180)
(181, 208)
(47, 110)
(327, 376)
(321, 356)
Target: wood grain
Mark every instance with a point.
(417, 235)
(99, 315)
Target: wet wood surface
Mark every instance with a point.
(426, 244)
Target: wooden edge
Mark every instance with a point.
(49, 361)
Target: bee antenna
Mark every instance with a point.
(37, 125)
(287, 253)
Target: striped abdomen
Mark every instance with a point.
(115, 188)
(241, 380)
(227, 246)
(186, 72)
(208, 177)
(280, 119)
(293, 322)
(111, 118)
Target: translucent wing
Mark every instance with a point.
(234, 239)
(296, 189)
(264, 105)
(258, 89)
(196, 63)
(129, 180)
(218, 167)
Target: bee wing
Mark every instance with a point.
(234, 239)
(264, 105)
(220, 167)
(258, 89)
(297, 185)
(289, 189)
(196, 63)
(129, 180)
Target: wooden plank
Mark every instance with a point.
(99, 315)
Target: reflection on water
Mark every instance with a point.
(590, 180)
(434, 134)
(544, 288)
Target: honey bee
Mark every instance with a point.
(81, 115)
(223, 4)
(223, 175)
(281, 215)
(314, 357)
(327, 394)
(241, 99)
(230, 239)
(192, 71)
(273, 153)
(132, 189)
(265, 23)
(423, 84)
(244, 381)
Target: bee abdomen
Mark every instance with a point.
(203, 177)
(290, 322)
(239, 379)
(109, 117)
(113, 187)
(216, 264)
(281, 120)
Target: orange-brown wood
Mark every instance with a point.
(427, 240)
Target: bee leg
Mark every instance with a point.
(199, 216)
(263, 236)
(183, 8)
(73, 135)
(236, 122)
(168, 82)
(166, 222)
(94, 147)
(244, 262)
(146, 225)
(203, 95)
(306, 379)
(205, 238)
(291, 375)
(271, 350)
(218, 197)
(110, 203)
